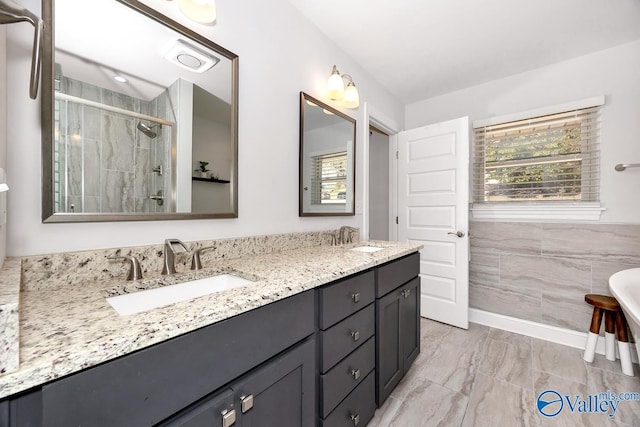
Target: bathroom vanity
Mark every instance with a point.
(324, 346)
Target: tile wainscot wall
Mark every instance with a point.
(541, 272)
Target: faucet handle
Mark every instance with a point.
(176, 246)
(196, 262)
(332, 237)
(350, 234)
(135, 271)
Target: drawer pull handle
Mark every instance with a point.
(246, 403)
(355, 297)
(228, 418)
(406, 293)
(355, 373)
(356, 419)
(355, 335)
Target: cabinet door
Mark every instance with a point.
(410, 322)
(280, 393)
(22, 411)
(388, 349)
(216, 411)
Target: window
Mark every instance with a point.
(551, 157)
(329, 178)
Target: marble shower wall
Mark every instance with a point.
(541, 272)
(106, 162)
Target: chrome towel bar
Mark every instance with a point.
(620, 167)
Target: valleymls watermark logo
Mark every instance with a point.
(551, 403)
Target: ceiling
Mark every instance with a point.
(94, 51)
(418, 49)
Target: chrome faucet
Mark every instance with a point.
(171, 248)
(345, 235)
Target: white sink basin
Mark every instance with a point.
(367, 249)
(138, 302)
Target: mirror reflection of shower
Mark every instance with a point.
(112, 153)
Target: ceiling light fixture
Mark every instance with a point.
(337, 91)
(201, 11)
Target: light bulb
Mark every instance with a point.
(351, 96)
(202, 11)
(335, 85)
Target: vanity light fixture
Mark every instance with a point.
(201, 11)
(337, 91)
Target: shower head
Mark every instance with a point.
(10, 13)
(147, 129)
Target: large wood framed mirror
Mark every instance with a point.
(327, 160)
(139, 116)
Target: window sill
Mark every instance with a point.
(538, 211)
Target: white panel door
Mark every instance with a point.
(433, 206)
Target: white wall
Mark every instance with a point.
(211, 144)
(281, 53)
(3, 127)
(613, 72)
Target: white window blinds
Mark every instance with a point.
(552, 157)
(329, 178)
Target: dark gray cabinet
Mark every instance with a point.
(25, 411)
(347, 351)
(323, 357)
(279, 393)
(397, 323)
(147, 386)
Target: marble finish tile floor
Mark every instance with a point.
(485, 377)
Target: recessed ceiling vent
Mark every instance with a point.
(190, 57)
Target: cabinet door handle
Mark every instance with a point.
(355, 297)
(246, 402)
(228, 417)
(356, 419)
(355, 373)
(406, 293)
(355, 335)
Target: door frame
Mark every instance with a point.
(373, 116)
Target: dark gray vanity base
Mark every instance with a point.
(146, 387)
(322, 357)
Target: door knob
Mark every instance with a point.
(457, 233)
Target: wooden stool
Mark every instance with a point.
(615, 326)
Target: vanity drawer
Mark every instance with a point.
(342, 378)
(345, 297)
(357, 409)
(395, 273)
(341, 339)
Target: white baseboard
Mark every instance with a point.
(538, 330)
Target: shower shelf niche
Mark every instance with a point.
(220, 181)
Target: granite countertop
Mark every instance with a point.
(65, 330)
